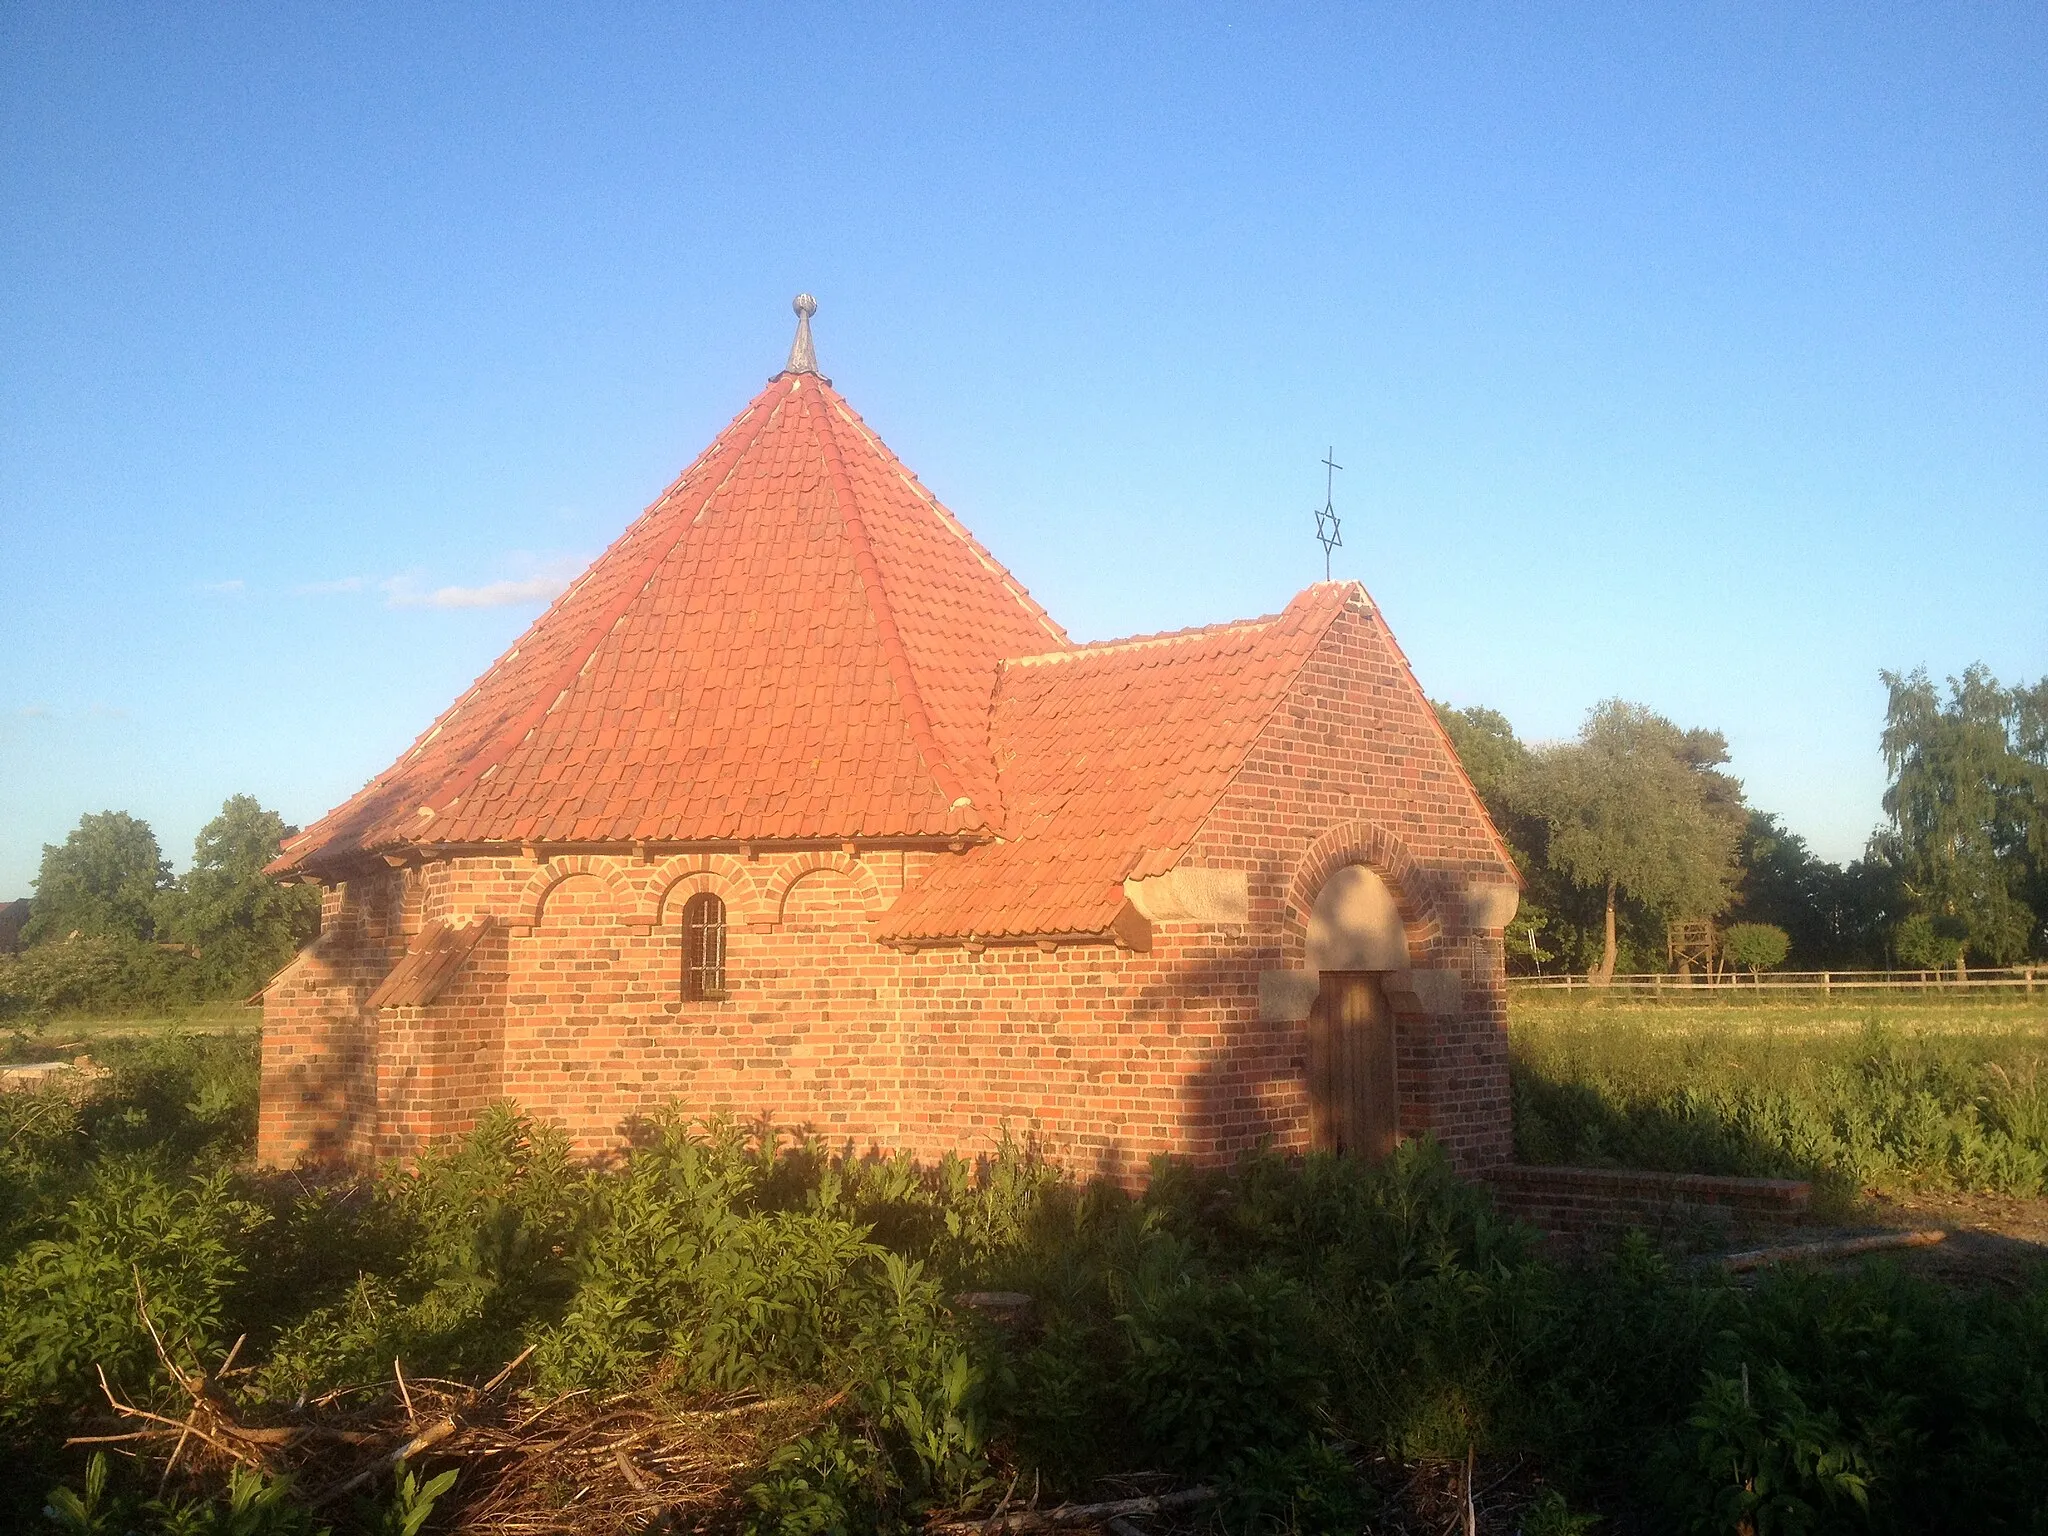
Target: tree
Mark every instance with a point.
(1636, 807)
(1521, 940)
(1493, 758)
(1930, 943)
(101, 883)
(243, 923)
(1755, 947)
(1833, 915)
(1968, 802)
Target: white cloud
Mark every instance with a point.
(235, 585)
(533, 579)
(38, 712)
(400, 592)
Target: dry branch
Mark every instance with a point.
(1077, 1514)
(1835, 1248)
(425, 1440)
(442, 1429)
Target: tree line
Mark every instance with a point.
(1635, 824)
(111, 930)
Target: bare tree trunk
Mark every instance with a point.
(1605, 975)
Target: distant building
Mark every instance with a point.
(13, 918)
(797, 805)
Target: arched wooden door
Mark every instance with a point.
(1352, 1103)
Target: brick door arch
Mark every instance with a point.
(1355, 938)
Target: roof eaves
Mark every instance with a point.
(429, 964)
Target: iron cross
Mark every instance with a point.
(1328, 525)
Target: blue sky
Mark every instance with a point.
(1692, 354)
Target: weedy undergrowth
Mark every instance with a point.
(1913, 1103)
(1272, 1328)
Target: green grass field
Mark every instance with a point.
(63, 1039)
(1902, 1091)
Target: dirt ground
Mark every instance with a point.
(1993, 1240)
(1989, 1241)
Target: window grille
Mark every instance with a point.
(703, 948)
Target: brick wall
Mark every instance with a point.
(1102, 1056)
(320, 1046)
(1586, 1202)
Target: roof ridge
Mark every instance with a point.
(1080, 650)
(501, 746)
(901, 674)
(448, 716)
(947, 517)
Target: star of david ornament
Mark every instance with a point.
(1328, 525)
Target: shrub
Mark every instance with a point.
(1930, 942)
(682, 1268)
(254, 1505)
(101, 975)
(1269, 1326)
(73, 1301)
(448, 1264)
(1755, 947)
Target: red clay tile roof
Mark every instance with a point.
(429, 965)
(1110, 757)
(795, 641)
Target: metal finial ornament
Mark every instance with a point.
(1328, 524)
(802, 359)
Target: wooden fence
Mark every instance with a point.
(1825, 983)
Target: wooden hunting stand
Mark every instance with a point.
(1690, 944)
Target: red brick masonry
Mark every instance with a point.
(1103, 1054)
(1581, 1202)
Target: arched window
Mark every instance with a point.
(703, 948)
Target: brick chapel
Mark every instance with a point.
(796, 805)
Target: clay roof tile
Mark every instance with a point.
(795, 585)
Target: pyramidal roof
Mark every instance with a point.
(796, 640)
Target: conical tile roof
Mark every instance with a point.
(795, 641)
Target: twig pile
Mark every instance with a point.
(629, 1463)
